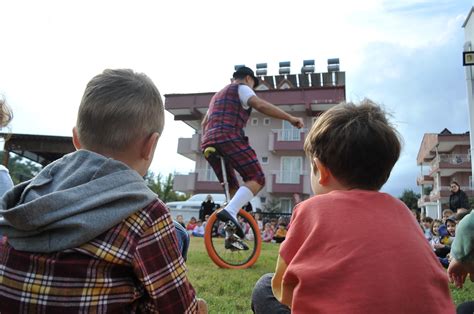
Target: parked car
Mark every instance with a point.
(190, 208)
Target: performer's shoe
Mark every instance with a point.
(224, 216)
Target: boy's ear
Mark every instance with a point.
(149, 146)
(324, 173)
(75, 139)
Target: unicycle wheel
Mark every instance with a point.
(227, 250)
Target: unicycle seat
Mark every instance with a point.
(210, 150)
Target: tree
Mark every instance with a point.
(21, 169)
(164, 187)
(272, 206)
(410, 198)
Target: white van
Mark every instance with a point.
(190, 208)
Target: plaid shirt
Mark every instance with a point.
(135, 267)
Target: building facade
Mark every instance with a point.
(442, 158)
(279, 146)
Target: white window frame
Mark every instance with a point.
(267, 121)
(288, 132)
(287, 176)
(254, 122)
(264, 162)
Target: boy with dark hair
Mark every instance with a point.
(87, 234)
(351, 248)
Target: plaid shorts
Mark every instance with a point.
(240, 157)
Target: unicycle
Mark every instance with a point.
(223, 246)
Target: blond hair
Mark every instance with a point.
(356, 143)
(6, 114)
(117, 108)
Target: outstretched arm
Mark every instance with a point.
(458, 271)
(273, 111)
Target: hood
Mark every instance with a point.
(70, 202)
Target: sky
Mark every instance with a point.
(404, 54)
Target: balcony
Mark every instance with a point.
(423, 200)
(424, 179)
(189, 147)
(447, 164)
(201, 181)
(444, 192)
(284, 140)
(287, 182)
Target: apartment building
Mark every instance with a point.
(277, 143)
(442, 158)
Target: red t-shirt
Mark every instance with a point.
(361, 252)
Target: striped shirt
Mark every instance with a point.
(135, 267)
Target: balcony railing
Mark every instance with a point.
(423, 199)
(286, 140)
(422, 179)
(286, 182)
(454, 160)
(444, 191)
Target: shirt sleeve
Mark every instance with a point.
(6, 182)
(245, 93)
(160, 267)
(462, 247)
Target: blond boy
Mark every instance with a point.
(86, 234)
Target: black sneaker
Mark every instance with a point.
(224, 216)
(235, 245)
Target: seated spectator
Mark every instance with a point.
(6, 182)
(183, 239)
(180, 220)
(191, 224)
(444, 247)
(267, 235)
(86, 235)
(446, 214)
(258, 219)
(6, 116)
(339, 254)
(198, 230)
(426, 223)
(461, 265)
(435, 235)
(206, 218)
(280, 234)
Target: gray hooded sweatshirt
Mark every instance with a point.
(70, 202)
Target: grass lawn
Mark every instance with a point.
(229, 291)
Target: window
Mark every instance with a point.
(291, 168)
(286, 205)
(264, 160)
(266, 121)
(289, 132)
(254, 121)
(313, 120)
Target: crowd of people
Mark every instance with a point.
(271, 229)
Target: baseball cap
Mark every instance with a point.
(244, 71)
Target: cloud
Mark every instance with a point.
(423, 88)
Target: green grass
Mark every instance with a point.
(229, 291)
